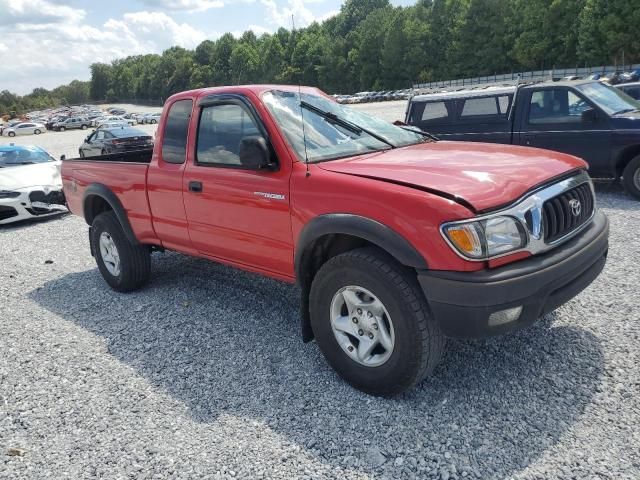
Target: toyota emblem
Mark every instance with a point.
(576, 207)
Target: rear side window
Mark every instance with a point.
(479, 106)
(434, 111)
(431, 112)
(174, 141)
(486, 106)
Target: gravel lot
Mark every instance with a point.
(202, 374)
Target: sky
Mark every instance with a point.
(46, 43)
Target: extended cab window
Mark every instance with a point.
(497, 106)
(221, 129)
(434, 111)
(174, 142)
(558, 105)
(480, 106)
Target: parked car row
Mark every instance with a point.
(74, 118)
(367, 97)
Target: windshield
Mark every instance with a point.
(11, 157)
(611, 100)
(328, 138)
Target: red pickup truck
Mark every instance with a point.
(396, 240)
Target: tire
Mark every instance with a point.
(81, 153)
(417, 343)
(133, 261)
(61, 129)
(37, 131)
(631, 177)
(83, 127)
(103, 152)
(12, 134)
(153, 121)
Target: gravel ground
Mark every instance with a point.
(202, 374)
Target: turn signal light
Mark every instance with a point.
(466, 239)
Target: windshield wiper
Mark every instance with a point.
(336, 120)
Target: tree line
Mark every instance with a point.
(372, 45)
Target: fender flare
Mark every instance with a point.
(103, 192)
(373, 231)
(358, 226)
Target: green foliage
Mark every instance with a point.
(373, 45)
(75, 93)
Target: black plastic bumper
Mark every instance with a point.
(462, 302)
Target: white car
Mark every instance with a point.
(24, 128)
(113, 124)
(114, 118)
(30, 184)
(150, 118)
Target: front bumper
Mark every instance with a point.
(32, 204)
(463, 302)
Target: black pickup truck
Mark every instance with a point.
(588, 119)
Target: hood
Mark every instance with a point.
(483, 176)
(24, 176)
(629, 120)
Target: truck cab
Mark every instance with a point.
(588, 119)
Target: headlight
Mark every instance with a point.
(488, 238)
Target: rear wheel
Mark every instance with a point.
(631, 177)
(84, 127)
(37, 131)
(372, 322)
(81, 153)
(123, 265)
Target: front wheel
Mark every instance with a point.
(123, 265)
(84, 127)
(12, 134)
(631, 177)
(61, 129)
(372, 322)
(37, 132)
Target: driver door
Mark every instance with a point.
(236, 213)
(554, 121)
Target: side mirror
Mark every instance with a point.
(589, 116)
(63, 158)
(254, 153)
(87, 139)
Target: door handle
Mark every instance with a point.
(195, 187)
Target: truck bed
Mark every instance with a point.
(124, 174)
(134, 156)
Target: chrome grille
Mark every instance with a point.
(566, 212)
